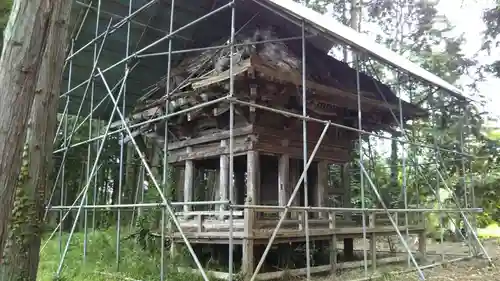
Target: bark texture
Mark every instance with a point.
(21, 254)
(24, 44)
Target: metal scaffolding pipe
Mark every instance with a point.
(290, 200)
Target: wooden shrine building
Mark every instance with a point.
(268, 147)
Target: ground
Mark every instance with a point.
(139, 264)
(465, 270)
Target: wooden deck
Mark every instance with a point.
(213, 227)
(205, 227)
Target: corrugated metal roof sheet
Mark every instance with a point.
(337, 30)
(153, 23)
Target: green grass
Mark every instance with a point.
(135, 263)
(491, 231)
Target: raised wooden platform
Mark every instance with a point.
(213, 227)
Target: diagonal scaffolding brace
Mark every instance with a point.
(154, 181)
(289, 203)
(396, 228)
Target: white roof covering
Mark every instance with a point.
(360, 41)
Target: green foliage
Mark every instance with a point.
(416, 30)
(5, 6)
(24, 227)
(491, 19)
(135, 263)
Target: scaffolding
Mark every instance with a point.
(107, 89)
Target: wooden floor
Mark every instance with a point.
(216, 230)
(203, 228)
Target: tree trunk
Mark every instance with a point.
(22, 254)
(24, 44)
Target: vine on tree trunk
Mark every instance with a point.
(24, 228)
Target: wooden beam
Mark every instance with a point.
(223, 176)
(210, 150)
(283, 179)
(239, 186)
(211, 137)
(294, 177)
(321, 185)
(239, 69)
(294, 77)
(248, 261)
(188, 182)
(346, 185)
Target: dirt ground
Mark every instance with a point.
(468, 269)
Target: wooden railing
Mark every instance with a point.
(218, 221)
(201, 221)
(333, 219)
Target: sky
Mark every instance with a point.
(466, 16)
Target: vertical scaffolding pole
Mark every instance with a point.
(377, 194)
(96, 181)
(231, 141)
(65, 144)
(283, 215)
(403, 167)
(437, 192)
(304, 153)
(165, 182)
(155, 182)
(361, 174)
(464, 176)
(122, 143)
(471, 183)
(89, 146)
(84, 192)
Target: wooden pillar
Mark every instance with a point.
(294, 177)
(223, 177)
(283, 179)
(156, 161)
(346, 202)
(239, 186)
(248, 261)
(333, 243)
(422, 244)
(188, 182)
(321, 185)
(373, 241)
(346, 186)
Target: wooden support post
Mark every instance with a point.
(223, 178)
(239, 186)
(333, 243)
(156, 161)
(346, 202)
(321, 186)
(283, 179)
(346, 185)
(188, 182)
(294, 177)
(349, 249)
(199, 187)
(373, 241)
(174, 251)
(248, 261)
(422, 244)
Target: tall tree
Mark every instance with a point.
(24, 44)
(40, 95)
(491, 18)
